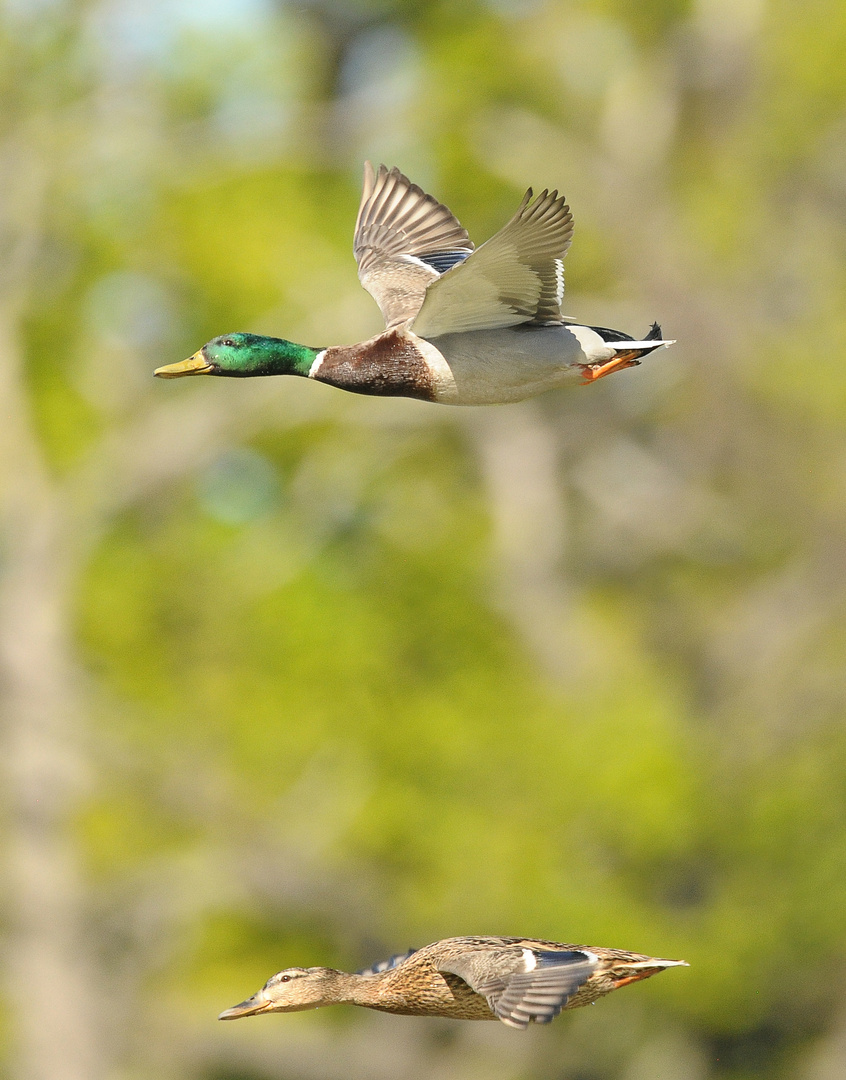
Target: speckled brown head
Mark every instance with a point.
(292, 990)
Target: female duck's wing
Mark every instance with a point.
(515, 277)
(523, 984)
(404, 240)
(385, 965)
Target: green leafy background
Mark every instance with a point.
(297, 677)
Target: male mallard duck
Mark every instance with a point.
(515, 980)
(463, 326)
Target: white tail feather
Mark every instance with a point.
(625, 346)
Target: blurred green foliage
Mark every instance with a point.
(342, 692)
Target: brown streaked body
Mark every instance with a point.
(516, 980)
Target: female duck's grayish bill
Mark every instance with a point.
(463, 325)
(516, 980)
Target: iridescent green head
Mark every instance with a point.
(243, 355)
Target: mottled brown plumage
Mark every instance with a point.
(515, 980)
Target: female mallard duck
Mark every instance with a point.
(515, 980)
(463, 326)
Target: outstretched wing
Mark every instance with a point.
(524, 985)
(404, 240)
(515, 277)
(385, 965)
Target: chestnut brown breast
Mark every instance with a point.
(389, 365)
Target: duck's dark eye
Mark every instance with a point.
(285, 978)
(228, 342)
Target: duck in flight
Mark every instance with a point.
(516, 980)
(463, 325)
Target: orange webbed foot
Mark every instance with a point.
(592, 372)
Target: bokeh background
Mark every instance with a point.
(291, 676)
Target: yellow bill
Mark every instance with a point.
(194, 365)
